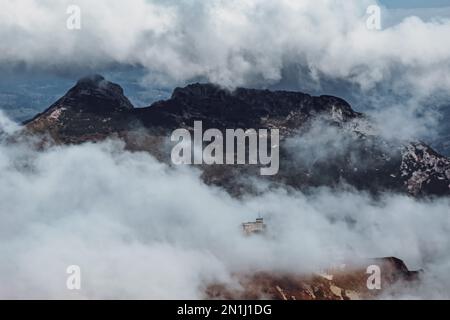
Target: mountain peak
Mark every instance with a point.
(84, 108)
(94, 80)
(199, 90)
(94, 94)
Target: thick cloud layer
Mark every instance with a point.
(140, 229)
(232, 43)
(315, 47)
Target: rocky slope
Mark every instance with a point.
(343, 149)
(345, 282)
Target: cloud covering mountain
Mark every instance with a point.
(140, 229)
(231, 42)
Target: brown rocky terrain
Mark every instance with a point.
(345, 282)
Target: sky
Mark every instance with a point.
(415, 3)
(253, 41)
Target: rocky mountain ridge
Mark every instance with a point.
(95, 109)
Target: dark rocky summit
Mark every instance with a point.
(95, 109)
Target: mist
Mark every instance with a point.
(233, 43)
(140, 229)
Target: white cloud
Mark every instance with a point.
(231, 42)
(139, 229)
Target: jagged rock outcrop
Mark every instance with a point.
(242, 108)
(424, 170)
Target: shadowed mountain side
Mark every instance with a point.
(324, 142)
